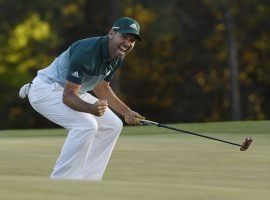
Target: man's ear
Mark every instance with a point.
(111, 33)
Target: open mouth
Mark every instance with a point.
(122, 50)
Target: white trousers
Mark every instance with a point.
(90, 140)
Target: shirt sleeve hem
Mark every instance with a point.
(74, 80)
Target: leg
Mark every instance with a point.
(71, 161)
(100, 151)
(47, 100)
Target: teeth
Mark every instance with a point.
(123, 49)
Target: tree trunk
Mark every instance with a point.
(113, 15)
(233, 65)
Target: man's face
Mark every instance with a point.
(120, 44)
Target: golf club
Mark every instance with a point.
(243, 147)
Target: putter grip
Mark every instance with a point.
(144, 121)
(136, 119)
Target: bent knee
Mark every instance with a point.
(115, 123)
(88, 127)
(118, 124)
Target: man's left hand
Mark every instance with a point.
(132, 118)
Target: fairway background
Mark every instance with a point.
(147, 163)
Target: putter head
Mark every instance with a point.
(246, 144)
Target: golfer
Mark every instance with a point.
(59, 93)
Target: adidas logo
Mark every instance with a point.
(133, 26)
(75, 74)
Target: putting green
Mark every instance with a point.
(147, 163)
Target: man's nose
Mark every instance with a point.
(127, 43)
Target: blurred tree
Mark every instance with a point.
(188, 70)
(233, 65)
(254, 53)
(178, 73)
(26, 39)
(173, 80)
(112, 16)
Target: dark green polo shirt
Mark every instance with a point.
(89, 62)
(86, 62)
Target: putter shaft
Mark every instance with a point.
(243, 146)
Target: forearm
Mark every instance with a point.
(76, 103)
(113, 101)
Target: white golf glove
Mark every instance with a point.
(24, 90)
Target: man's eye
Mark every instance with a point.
(124, 36)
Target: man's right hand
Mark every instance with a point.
(99, 107)
(72, 100)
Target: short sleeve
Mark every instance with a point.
(76, 71)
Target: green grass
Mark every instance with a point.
(147, 163)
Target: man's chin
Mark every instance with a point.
(121, 56)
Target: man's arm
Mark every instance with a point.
(104, 91)
(72, 100)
